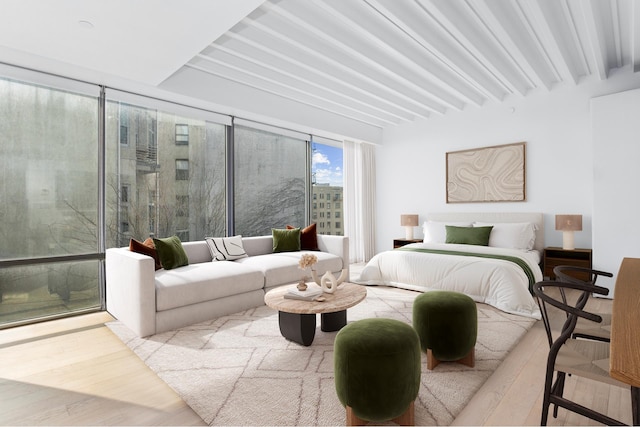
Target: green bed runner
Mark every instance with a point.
(520, 262)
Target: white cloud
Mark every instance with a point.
(328, 176)
(320, 159)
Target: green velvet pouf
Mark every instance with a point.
(447, 324)
(377, 368)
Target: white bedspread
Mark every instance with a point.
(499, 283)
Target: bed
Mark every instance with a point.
(500, 274)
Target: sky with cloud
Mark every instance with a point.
(326, 164)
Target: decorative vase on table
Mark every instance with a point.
(306, 261)
(328, 282)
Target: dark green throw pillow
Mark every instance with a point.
(286, 240)
(171, 252)
(468, 235)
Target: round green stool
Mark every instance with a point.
(447, 324)
(377, 370)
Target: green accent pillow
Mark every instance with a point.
(286, 240)
(171, 252)
(468, 235)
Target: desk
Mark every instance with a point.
(625, 331)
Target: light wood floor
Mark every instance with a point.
(76, 372)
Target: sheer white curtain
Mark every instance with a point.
(359, 199)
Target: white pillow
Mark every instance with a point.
(512, 235)
(226, 248)
(435, 231)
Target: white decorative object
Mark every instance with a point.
(328, 282)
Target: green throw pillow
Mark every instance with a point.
(286, 240)
(171, 252)
(468, 235)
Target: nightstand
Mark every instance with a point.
(397, 243)
(574, 257)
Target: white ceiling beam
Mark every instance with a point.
(434, 93)
(596, 46)
(615, 23)
(573, 30)
(319, 85)
(482, 59)
(438, 84)
(259, 82)
(541, 32)
(452, 77)
(495, 31)
(358, 79)
(635, 36)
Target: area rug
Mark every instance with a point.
(239, 370)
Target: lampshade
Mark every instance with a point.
(408, 220)
(569, 222)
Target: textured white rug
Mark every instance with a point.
(239, 370)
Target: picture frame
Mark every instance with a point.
(488, 174)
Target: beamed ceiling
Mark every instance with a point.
(380, 62)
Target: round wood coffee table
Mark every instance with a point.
(297, 319)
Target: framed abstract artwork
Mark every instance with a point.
(487, 174)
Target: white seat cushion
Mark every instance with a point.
(282, 268)
(205, 281)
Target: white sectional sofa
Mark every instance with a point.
(150, 302)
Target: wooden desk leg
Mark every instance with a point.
(635, 405)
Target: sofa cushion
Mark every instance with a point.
(226, 248)
(308, 237)
(286, 240)
(205, 281)
(171, 252)
(146, 248)
(282, 268)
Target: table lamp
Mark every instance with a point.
(568, 224)
(408, 222)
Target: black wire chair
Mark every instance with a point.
(586, 328)
(580, 357)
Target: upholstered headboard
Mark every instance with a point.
(534, 217)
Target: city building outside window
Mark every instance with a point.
(327, 185)
(49, 155)
(124, 193)
(270, 174)
(182, 169)
(174, 188)
(182, 134)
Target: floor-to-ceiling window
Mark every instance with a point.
(165, 172)
(84, 168)
(326, 193)
(48, 201)
(271, 175)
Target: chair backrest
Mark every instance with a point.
(562, 273)
(573, 311)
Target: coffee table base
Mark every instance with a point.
(301, 328)
(331, 322)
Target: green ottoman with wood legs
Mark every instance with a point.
(447, 324)
(377, 370)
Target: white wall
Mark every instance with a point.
(616, 133)
(556, 126)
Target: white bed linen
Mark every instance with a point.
(499, 283)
